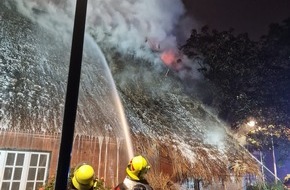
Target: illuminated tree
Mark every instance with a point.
(252, 78)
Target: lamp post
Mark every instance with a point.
(271, 127)
(71, 96)
(274, 159)
(252, 123)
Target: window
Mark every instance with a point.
(21, 170)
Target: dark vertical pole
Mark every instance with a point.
(71, 96)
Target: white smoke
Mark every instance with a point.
(128, 25)
(144, 29)
(215, 136)
(136, 25)
(49, 16)
(130, 22)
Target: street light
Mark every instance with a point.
(251, 123)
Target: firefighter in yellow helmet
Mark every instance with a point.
(83, 177)
(136, 169)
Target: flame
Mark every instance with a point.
(168, 57)
(172, 59)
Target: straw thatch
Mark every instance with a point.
(207, 167)
(163, 119)
(168, 123)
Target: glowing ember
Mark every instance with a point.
(168, 57)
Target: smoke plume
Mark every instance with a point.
(130, 23)
(145, 29)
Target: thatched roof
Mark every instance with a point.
(166, 121)
(163, 119)
(207, 163)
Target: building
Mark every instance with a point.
(180, 136)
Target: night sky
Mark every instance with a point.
(252, 16)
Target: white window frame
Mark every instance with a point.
(25, 168)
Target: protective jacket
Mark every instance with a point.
(129, 184)
(92, 188)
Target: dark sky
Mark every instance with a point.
(252, 16)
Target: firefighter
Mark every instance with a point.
(136, 169)
(83, 177)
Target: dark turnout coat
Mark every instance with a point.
(129, 184)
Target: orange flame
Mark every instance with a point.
(168, 57)
(172, 59)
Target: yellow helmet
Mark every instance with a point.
(137, 167)
(83, 178)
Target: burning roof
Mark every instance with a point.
(34, 65)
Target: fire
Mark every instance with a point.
(168, 57)
(173, 60)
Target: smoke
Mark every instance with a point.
(150, 30)
(142, 28)
(215, 136)
(127, 24)
(49, 16)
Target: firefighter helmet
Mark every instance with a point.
(83, 178)
(137, 167)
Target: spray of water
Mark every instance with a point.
(58, 19)
(89, 41)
